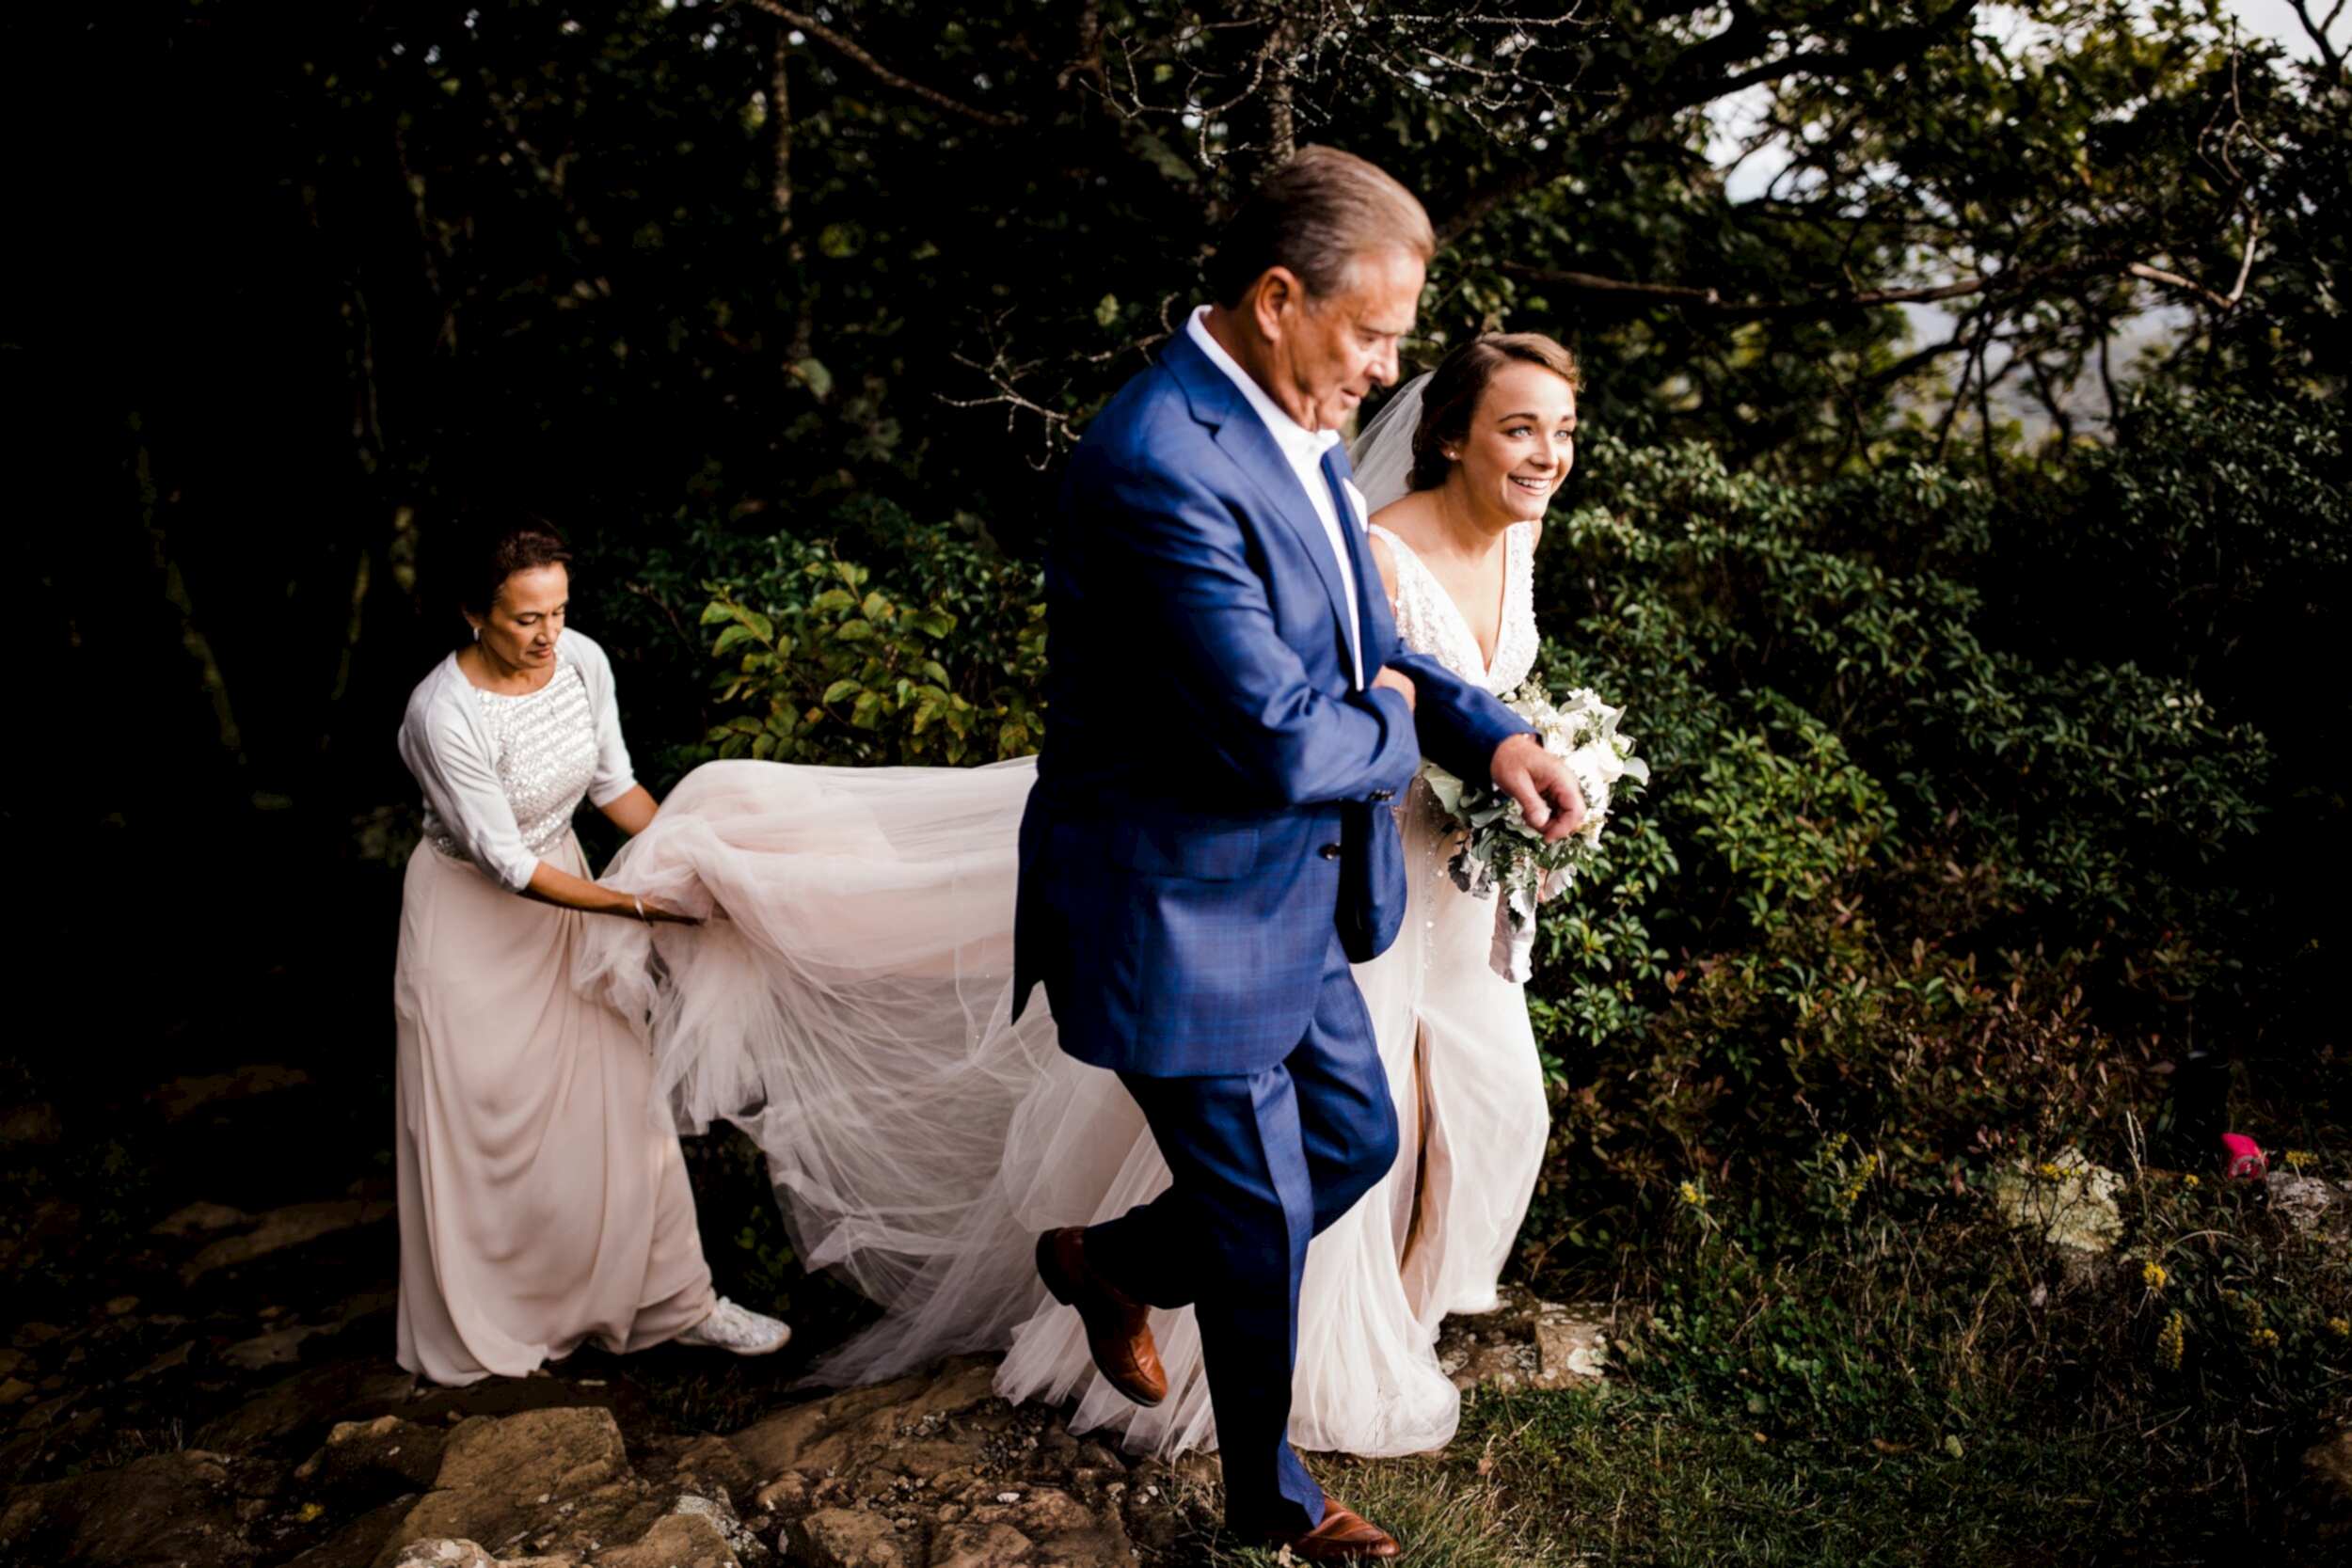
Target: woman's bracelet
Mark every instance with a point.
(641, 907)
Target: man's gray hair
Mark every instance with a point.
(1315, 215)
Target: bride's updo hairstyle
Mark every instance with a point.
(1450, 402)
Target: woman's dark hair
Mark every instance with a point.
(495, 551)
(1450, 402)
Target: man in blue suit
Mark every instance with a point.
(1210, 842)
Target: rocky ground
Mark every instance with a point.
(200, 1372)
(195, 1367)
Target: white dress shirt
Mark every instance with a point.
(1303, 449)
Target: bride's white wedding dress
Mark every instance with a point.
(851, 1012)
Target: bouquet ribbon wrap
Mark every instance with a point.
(1513, 953)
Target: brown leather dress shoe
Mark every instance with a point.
(1119, 1327)
(1345, 1536)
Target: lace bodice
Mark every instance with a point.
(546, 756)
(1429, 622)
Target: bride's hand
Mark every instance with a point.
(659, 913)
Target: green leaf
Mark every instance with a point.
(854, 631)
(733, 637)
(716, 612)
(840, 690)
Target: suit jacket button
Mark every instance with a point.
(1329, 851)
(1384, 793)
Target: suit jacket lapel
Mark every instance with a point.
(1243, 436)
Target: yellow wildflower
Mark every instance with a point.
(2340, 1328)
(2153, 1276)
(2170, 1340)
(2191, 1182)
(1863, 1172)
(1692, 1196)
(2049, 1171)
(2300, 1159)
(2265, 1339)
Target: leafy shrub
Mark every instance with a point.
(936, 661)
(2212, 543)
(1888, 872)
(1935, 875)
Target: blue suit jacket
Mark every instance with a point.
(1212, 798)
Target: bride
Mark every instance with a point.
(852, 1012)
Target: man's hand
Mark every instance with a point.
(1398, 683)
(1542, 785)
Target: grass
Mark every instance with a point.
(1584, 1477)
(1824, 1396)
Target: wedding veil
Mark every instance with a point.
(1382, 455)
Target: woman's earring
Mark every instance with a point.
(477, 634)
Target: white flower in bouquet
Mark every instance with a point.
(1500, 851)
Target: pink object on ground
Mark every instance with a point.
(2246, 1161)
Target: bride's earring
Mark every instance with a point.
(477, 634)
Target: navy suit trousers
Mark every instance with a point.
(1263, 1163)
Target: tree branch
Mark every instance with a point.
(1281, 122)
(882, 72)
(1701, 81)
(2318, 31)
(175, 590)
(780, 106)
(1702, 74)
(1088, 61)
(2013, 280)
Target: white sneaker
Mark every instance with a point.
(739, 1329)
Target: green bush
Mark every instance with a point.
(937, 660)
(1937, 870)
(1889, 874)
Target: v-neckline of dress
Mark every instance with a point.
(1461, 620)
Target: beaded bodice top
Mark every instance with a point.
(545, 744)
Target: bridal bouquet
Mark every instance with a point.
(1500, 851)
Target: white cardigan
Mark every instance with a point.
(445, 740)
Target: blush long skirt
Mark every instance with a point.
(543, 1200)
